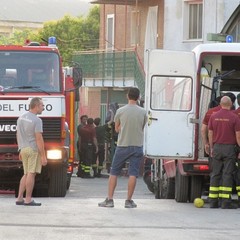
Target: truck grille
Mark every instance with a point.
(51, 130)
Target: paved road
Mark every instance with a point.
(77, 216)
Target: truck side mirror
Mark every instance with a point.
(77, 77)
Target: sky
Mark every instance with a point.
(42, 10)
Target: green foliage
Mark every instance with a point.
(72, 33)
(18, 38)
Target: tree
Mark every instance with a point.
(18, 37)
(72, 33)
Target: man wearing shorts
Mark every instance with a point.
(129, 124)
(32, 153)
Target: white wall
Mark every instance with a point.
(216, 14)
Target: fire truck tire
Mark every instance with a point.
(196, 187)
(181, 187)
(170, 188)
(69, 176)
(58, 181)
(147, 181)
(165, 188)
(157, 189)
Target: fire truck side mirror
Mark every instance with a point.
(77, 77)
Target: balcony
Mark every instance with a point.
(116, 69)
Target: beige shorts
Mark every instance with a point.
(31, 160)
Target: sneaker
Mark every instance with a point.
(106, 203)
(130, 204)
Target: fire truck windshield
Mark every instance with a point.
(28, 71)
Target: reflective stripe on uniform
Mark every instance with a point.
(211, 195)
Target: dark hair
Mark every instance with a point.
(97, 121)
(133, 93)
(83, 116)
(89, 121)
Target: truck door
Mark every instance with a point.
(170, 102)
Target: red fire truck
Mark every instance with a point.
(180, 87)
(26, 72)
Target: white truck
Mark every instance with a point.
(180, 87)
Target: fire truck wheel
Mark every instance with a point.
(69, 176)
(157, 189)
(181, 187)
(57, 181)
(170, 188)
(147, 181)
(196, 187)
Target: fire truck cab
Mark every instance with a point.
(180, 87)
(36, 71)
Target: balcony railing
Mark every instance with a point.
(111, 69)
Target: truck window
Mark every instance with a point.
(19, 69)
(171, 93)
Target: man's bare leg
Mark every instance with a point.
(22, 188)
(112, 183)
(131, 186)
(30, 181)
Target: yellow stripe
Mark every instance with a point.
(226, 196)
(213, 195)
(238, 188)
(227, 189)
(214, 189)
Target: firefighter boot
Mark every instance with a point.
(94, 171)
(99, 173)
(213, 203)
(238, 201)
(228, 204)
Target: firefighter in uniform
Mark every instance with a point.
(237, 175)
(83, 123)
(88, 147)
(224, 135)
(100, 133)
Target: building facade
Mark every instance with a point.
(129, 27)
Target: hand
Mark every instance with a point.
(96, 150)
(211, 152)
(207, 148)
(44, 161)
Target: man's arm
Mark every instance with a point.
(238, 137)
(210, 138)
(95, 143)
(40, 145)
(204, 134)
(117, 126)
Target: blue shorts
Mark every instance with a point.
(134, 155)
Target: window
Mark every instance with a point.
(110, 32)
(135, 28)
(193, 19)
(171, 93)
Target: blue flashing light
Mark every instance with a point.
(229, 38)
(52, 41)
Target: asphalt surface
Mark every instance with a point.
(77, 216)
